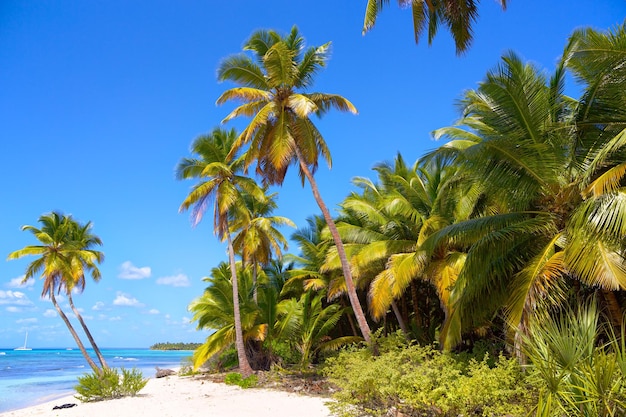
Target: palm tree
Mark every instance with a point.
(388, 222)
(258, 238)
(215, 310)
(272, 87)
(219, 180)
(561, 164)
(458, 15)
(58, 263)
(84, 259)
(308, 324)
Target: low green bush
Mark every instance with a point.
(223, 361)
(109, 384)
(186, 367)
(235, 378)
(420, 380)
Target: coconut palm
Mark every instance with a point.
(84, 259)
(307, 322)
(215, 310)
(395, 216)
(272, 85)
(58, 263)
(458, 15)
(561, 164)
(258, 238)
(219, 180)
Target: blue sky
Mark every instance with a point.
(100, 100)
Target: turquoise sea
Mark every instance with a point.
(34, 376)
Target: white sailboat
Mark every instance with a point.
(24, 347)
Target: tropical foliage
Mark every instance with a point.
(273, 84)
(457, 15)
(65, 254)
(517, 216)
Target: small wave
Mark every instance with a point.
(2, 353)
(121, 358)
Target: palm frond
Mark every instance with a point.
(242, 71)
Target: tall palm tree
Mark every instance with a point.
(458, 15)
(258, 238)
(57, 263)
(219, 180)
(84, 259)
(272, 85)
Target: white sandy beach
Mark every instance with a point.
(188, 397)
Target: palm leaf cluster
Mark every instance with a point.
(65, 256)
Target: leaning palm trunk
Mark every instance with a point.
(345, 267)
(255, 290)
(79, 343)
(244, 365)
(87, 332)
(396, 311)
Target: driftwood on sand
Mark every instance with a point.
(160, 373)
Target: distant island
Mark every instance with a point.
(175, 346)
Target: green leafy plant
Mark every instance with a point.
(109, 384)
(235, 378)
(421, 380)
(186, 367)
(576, 375)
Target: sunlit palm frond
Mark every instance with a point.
(241, 70)
(312, 61)
(608, 182)
(326, 102)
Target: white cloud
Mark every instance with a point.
(29, 320)
(50, 313)
(116, 318)
(179, 280)
(98, 306)
(13, 309)
(130, 271)
(153, 311)
(126, 300)
(17, 283)
(16, 298)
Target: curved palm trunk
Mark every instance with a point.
(87, 332)
(345, 267)
(244, 365)
(79, 343)
(401, 323)
(255, 292)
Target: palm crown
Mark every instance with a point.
(272, 87)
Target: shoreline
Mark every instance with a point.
(186, 396)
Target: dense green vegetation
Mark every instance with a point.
(421, 380)
(175, 346)
(489, 243)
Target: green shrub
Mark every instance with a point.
(132, 382)
(223, 361)
(109, 384)
(235, 378)
(420, 380)
(186, 367)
